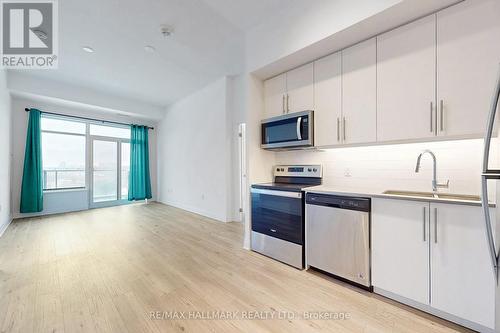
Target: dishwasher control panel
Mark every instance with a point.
(343, 202)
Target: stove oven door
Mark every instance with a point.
(278, 214)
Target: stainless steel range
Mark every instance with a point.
(278, 213)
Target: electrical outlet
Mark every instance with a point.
(347, 173)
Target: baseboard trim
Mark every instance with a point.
(435, 312)
(4, 228)
(194, 210)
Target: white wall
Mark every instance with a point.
(74, 96)
(5, 151)
(195, 152)
(260, 161)
(60, 201)
(392, 167)
(236, 113)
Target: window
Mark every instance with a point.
(63, 153)
(110, 147)
(125, 171)
(105, 167)
(110, 131)
(61, 125)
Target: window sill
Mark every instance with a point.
(79, 189)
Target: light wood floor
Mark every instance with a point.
(105, 270)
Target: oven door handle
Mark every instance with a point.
(296, 195)
(299, 128)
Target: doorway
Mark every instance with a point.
(110, 167)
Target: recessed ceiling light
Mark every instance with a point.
(88, 49)
(149, 49)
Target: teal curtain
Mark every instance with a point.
(139, 187)
(32, 185)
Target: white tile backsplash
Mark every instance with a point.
(379, 168)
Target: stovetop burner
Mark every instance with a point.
(293, 178)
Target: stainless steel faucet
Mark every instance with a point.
(435, 184)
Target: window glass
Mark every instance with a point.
(105, 171)
(110, 131)
(61, 125)
(63, 160)
(125, 169)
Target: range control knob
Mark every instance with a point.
(309, 169)
(282, 169)
(315, 169)
(277, 169)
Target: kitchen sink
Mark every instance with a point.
(448, 196)
(459, 197)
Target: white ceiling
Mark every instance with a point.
(245, 14)
(208, 43)
(205, 46)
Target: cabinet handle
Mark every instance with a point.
(435, 225)
(283, 104)
(424, 220)
(343, 127)
(287, 103)
(432, 111)
(441, 115)
(338, 129)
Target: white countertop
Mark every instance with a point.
(351, 192)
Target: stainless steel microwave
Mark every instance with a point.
(293, 130)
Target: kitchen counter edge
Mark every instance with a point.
(322, 190)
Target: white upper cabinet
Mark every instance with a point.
(462, 280)
(359, 93)
(431, 78)
(328, 100)
(274, 96)
(300, 90)
(406, 81)
(468, 61)
(400, 248)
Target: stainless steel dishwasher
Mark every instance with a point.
(338, 236)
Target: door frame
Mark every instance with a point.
(242, 170)
(119, 200)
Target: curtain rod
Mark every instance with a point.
(84, 118)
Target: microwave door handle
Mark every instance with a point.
(299, 128)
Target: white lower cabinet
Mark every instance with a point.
(462, 280)
(400, 254)
(436, 255)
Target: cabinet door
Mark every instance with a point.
(300, 91)
(462, 278)
(328, 100)
(359, 92)
(468, 58)
(406, 81)
(274, 95)
(400, 248)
